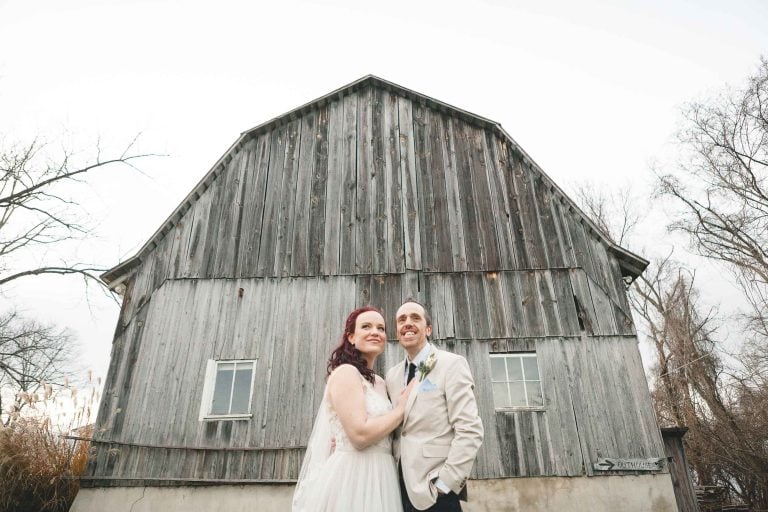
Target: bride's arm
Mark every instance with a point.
(348, 400)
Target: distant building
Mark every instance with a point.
(367, 195)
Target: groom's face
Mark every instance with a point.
(412, 328)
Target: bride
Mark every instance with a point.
(348, 464)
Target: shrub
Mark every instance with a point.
(37, 467)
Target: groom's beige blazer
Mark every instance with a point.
(441, 430)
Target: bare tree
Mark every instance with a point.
(39, 216)
(721, 188)
(32, 356)
(35, 211)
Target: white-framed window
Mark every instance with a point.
(515, 380)
(228, 389)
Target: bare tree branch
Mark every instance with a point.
(35, 210)
(38, 216)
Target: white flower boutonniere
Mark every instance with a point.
(426, 366)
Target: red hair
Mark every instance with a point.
(346, 353)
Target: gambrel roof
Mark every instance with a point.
(631, 264)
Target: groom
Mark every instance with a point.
(441, 432)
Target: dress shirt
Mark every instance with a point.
(420, 358)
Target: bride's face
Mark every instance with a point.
(370, 333)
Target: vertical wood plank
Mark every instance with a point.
(453, 203)
(348, 162)
(212, 227)
(393, 247)
(482, 198)
(334, 189)
(461, 310)
(478, 309)
(534, 323)
(603, 308)
(253, 205)
(301, 233)
(445, 206)
(558, 207)
(534, 245)
(285, 224)
(366, 180)
(269, 234)
(543, 196)
(425, 199)
(231, 215)
(473, 232)
(408, 178)
(507, 436)
(513, 305)
(569, 317)
(499, 201)
(198, 235)
(549, 303)
(494, 303)
(583, 301)
(318, 196)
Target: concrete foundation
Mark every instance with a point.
(642, 493)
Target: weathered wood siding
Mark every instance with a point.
(373, 184)
(596, 398)
(369, 198)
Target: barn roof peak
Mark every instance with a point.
(379, 83)
(632, 264)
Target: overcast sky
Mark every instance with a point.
(590, 89)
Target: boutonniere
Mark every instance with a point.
(426, 366)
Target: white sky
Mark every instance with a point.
(590, 89)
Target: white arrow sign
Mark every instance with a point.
(629, 465)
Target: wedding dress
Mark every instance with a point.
(347, 479)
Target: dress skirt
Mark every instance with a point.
(353, 480)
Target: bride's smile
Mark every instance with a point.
(369, 336)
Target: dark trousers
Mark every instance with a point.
(445, 502)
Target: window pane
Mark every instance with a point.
(500, 395)
(517, 392)
(531, 368)
(221, 391)
(498, 373)
(242, 390)
(534, 394)
(514, 368)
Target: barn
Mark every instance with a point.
(367, 195)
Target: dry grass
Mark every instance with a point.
(37, 466)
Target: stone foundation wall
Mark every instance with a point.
(641, 493)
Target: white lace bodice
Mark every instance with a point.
(376, 404)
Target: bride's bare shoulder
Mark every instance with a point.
(344, 373)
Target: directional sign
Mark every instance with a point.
(629, 465)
